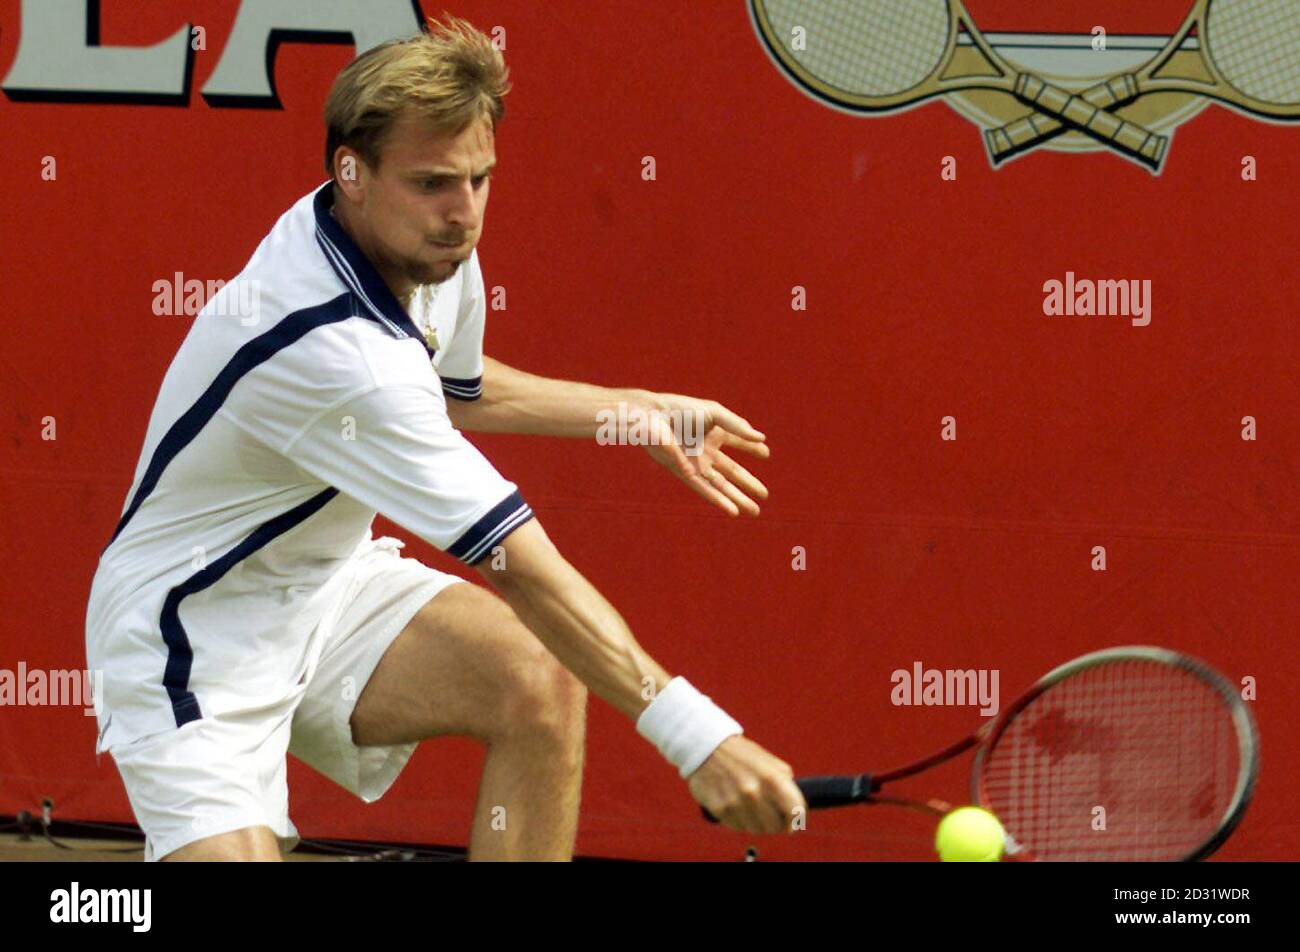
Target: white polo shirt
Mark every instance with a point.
(303, 401)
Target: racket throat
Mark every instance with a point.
(973, 57)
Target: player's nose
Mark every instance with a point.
(462, 212)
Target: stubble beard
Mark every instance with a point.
(425, 273)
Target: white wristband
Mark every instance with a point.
(685, 725)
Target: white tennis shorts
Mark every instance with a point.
(223, 773)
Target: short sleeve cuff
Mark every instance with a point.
(501, 520)
(463, 388)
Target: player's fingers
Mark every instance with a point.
(781, 796)
(741, 821)
(678, 461)
(737, 817)
(737, 424)
(754, 814)
(794, 803)
(701, 486)
(742, 477)
(752, 447)
(772, 817)
(722, 484)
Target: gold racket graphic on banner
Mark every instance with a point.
(882, 55)
(1249, 58)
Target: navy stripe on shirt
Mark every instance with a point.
(180, 654)
(257, 351)
(356, 272)
(463, 388)
(501, 520)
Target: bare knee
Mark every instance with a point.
(537, 698)
(467, 666)
(251, 844)
(543, 703)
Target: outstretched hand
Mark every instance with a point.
(689, 437)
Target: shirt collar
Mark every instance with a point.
(357, 273)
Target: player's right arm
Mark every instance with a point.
(394, 449)
(734, 778)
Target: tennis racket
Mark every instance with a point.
(1249, 59)
(1159, 741)
(878, 55)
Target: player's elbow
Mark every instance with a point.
(524, 559)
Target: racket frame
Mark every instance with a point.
(1243, 724)
(846, 790)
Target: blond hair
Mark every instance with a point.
(450, 77)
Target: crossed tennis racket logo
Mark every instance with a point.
(870, 56)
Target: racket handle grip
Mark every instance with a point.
(1035, 128)
(822, 792)
(835, 791)
(1142, 144)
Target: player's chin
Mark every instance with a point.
(432, 272)
(452, 256)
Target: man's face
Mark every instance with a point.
(420, 213)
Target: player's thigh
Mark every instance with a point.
(464, 665)
(251, 844)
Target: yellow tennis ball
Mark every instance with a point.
(969, 835)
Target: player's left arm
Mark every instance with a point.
(513, 401)
(687, 435)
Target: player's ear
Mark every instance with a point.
(348, 170)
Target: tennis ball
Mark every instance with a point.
(969, 835)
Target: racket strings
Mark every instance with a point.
(1256, 46)
(1133, 760)
(864, 47)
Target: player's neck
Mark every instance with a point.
(403, 288)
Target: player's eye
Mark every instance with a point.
(433, 184)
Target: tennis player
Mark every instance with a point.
(243, 608)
